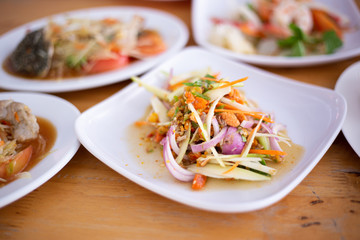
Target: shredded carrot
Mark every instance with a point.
(200, 103)
(114, 47)
(216, 75)
(267, 152)
(233, 82)
(232, 167)
(79, 45)
(177, 85)
(110, 21)
(253, 114)
(141, 123)
(16, 117)
(236, 96)
(158, 137)
(189, 97)
(241, 116)
(2, 142)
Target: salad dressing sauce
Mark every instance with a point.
(148, 155)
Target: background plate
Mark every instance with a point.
(348, 86)
(202, 12)
(173, 31)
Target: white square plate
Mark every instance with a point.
(172, 29)
(313, 116)
(202, 12)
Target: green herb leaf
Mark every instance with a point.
(209, 76)
(201, 95)
(298, 49)
(331, 41)
(263, 162)
(251, 7)
(73, 62)
(297, 32)
(287, 42)
(176, 111)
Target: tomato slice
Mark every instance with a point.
(199, 181)
(17, 164)
(108, 64)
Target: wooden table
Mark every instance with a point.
(87, 199)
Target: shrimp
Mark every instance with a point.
(288, 11)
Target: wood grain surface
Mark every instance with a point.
(88, 200)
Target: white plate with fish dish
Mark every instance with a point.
(104, 57)
(216, 28)
(347, 85)
(313, 117)
(61, 142)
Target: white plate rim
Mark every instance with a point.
(100, 79)
(230, 208)
(278, 61)
(28, 185)
(342, 86)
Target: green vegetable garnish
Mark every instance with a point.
(298, 49)
(332, 41)
(298, 42)
(201, 95)
(73, 62)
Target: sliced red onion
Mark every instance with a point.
(278, 127)
(173, 144)
(206, 145)
(233, 142)
(215, 125)
(177, 171)
(166, 104)
(273, 141)
(267, 128)
(247, 124)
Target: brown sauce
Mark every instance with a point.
(47, 133)
(41, 145)
(149, 157)
(51, 75)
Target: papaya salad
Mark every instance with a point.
(280, 28)
(82, 47)
(208, 128)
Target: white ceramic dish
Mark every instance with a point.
(348, 86)
(313, 116)
(202, 12)
(172, 29)
(65, 146)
